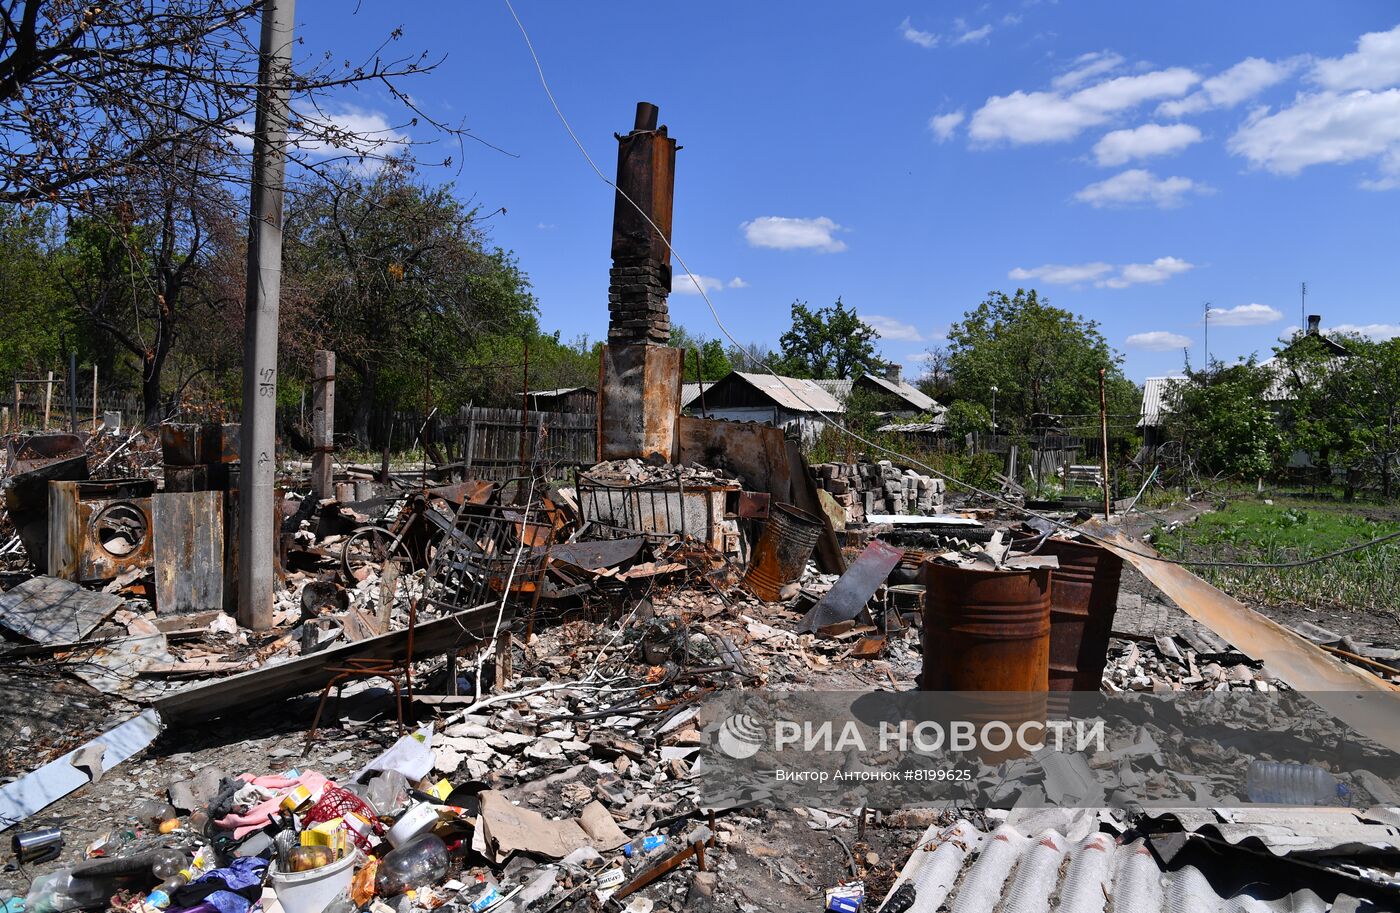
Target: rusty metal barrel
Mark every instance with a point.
(1082, 605)
(782, 552)
(986, 630)
(989, 631)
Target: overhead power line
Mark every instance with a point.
(833, 422)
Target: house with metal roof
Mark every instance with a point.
(1156, 406)
(797, 402)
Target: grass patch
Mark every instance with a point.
(1290, 530)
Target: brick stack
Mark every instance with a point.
(879, 488)
(637, 290)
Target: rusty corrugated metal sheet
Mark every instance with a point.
(1337, 687)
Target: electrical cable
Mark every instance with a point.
(966, 486)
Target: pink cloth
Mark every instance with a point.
(259, 815)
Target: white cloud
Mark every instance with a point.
(1043, 117)
(969, 36)
(738, 282)
(350, 130)
(682, 284)
(1158, 341)
(1245, 315)
(1375, 64)
(1058, 274)
(785, 233)
(1243, 81)
(1324, 128)
(1103, 275)
(1159, 270)
(1376, 331)
(546, 226)
(1086, 67)
(1122, 146)
(1124, 92)
(892, 329)
(922, 39)
(943, 125)
(1137, 186)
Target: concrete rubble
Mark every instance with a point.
(496, 693)
(879, 488)
(563, 774)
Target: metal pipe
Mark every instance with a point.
(257, 454)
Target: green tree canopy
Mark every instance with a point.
(1344, 410)
(1043, 361)
(1222, 418)
(713, 359)
(829, 342)
(403, 282)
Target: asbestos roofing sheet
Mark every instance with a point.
(794, 394)
(963, 870)
(54, 611)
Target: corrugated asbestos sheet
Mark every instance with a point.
(1154, 391)
(963, 870)
(794, 393)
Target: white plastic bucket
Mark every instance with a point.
(313, 890)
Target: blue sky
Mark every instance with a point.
(1130, 162)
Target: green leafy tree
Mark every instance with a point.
(713, 360)
(965, 417)
(829, 342)
(1222, 418)
(36, 324)
(405, 284)
(1043, 360)
(1344, 410)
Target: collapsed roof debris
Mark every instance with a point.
(495, 693)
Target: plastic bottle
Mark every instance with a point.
(62, 890)
(1287, 783)
(202, 862)
(644, 845)
(154, 813)
(422, 860)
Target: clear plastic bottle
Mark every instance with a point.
(62, 890)
(1288, 783)
(421, 861)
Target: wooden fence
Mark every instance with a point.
(492, 440)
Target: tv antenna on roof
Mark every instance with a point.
(1303, 312)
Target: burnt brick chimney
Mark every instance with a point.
(1314, 324)
(640, 278)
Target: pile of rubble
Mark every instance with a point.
(638, 472)
(556, 733)
(866, 489)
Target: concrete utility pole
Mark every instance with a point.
(322, 422)
(257, 521)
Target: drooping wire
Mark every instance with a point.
(953, 480)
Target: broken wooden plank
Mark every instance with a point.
(49, 610)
